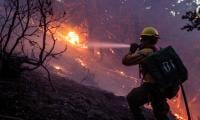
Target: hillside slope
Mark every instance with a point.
(32, 99)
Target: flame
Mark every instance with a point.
(57, 67)
(178, 108)
(112, 51)
(123, 74)
(73, 38)
(98, 53)
(81, 62)
(179, 117)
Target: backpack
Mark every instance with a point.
(167, 69)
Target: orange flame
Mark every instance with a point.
(73, 38)
(81, 62)
(179, 117)
(57, 67)
(177, 107)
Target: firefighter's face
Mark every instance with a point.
(146, 40)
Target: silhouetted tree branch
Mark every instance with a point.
(27, 32)
(194, 21)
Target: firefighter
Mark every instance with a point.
(148, 92)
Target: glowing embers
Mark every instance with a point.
(58, 70)
(57, 67)
(179, 117)
(177, 107)
(123, 74)
(73, 38)
(111, 50)
(81, 62)
(98, 53)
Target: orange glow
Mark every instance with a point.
(178, 108)
(73, 38)
(80, 62)
(98, 53)
(123, 74)
(179, 117)
(84, 46)
(112, 51)
(57, 67)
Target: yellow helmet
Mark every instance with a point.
(150, 31)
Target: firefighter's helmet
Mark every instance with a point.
(150, 31)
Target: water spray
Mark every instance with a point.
(107, 45)
(73, 39)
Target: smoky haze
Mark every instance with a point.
(120, 22)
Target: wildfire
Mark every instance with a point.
(98, 53)
(57, 67)
(179, 117)
(73, 38)
(112, 51)
(123, 74)
(178, 108)
(80, 62)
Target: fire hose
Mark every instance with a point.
(185, 101)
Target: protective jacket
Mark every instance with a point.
(137, 58)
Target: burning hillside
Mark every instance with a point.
(85, 40)
(92, 76)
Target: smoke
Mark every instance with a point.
(124, 22)
(107, 45)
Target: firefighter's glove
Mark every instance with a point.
(133, 47)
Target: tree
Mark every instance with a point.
(194, 20)
(27, 34)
